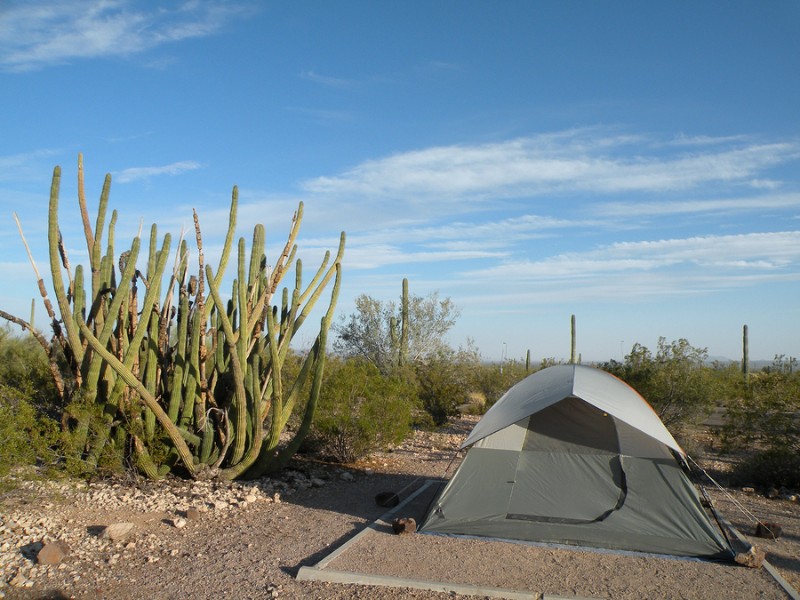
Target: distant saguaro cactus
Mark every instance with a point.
(182, 378)
(404, 325)
(745, 354)
(573, 356)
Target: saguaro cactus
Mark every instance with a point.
(404, 325)
(745, 354)
(183, 380)
(573, 355)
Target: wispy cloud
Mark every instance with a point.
(24, 165)
(38, 34)
(576, 160)
(637, 271)
(327, 80)
(135, 173)
(711, 258)
(718, 206)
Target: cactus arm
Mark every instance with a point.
(176, 388)
(288, 250)
(226, 247)
(99, 225)
(320, 286)
(277, 385)
(266, 461)
(322, 339)
(240, 398)
(53, 236)
(114, 309)
(192, 392)
(140, 328)
(130, 379)
(87, 226)
(243, 340)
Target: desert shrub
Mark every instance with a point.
(774, 467)
(675, 381)
(444, 382)
(765, 413)
(26, 437)
(360, 410)
(24, 367)
(492, 380)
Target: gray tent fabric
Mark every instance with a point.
(573, 455)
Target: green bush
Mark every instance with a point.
(24, 367)
(492, 380)
(443, 385)
(766, 410)
(675, 381)
(359, 410)
(775, 467)
(26, 438)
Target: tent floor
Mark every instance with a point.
(376, 556)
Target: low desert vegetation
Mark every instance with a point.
(160, 372)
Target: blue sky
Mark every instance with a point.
(632, 163)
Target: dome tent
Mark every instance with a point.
(573, 455)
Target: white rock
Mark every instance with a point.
(117, 531)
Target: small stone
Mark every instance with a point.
(52, 553)
(317, 482)
(250, 498)
(753, 558)
(276, 498)
(117, 531)
(192, 513)
(749, 490)
(346, 476)
(404, 525)
(178, 522)
(765, 529)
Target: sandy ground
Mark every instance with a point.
(257, 549)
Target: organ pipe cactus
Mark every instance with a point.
(183, 378)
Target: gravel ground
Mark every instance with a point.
(248, 540)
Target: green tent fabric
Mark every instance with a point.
(573, 455)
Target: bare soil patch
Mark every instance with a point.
(250, 539)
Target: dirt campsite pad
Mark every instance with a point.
(252, 539)
(512, 570)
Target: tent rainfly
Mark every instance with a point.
(573, 455)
